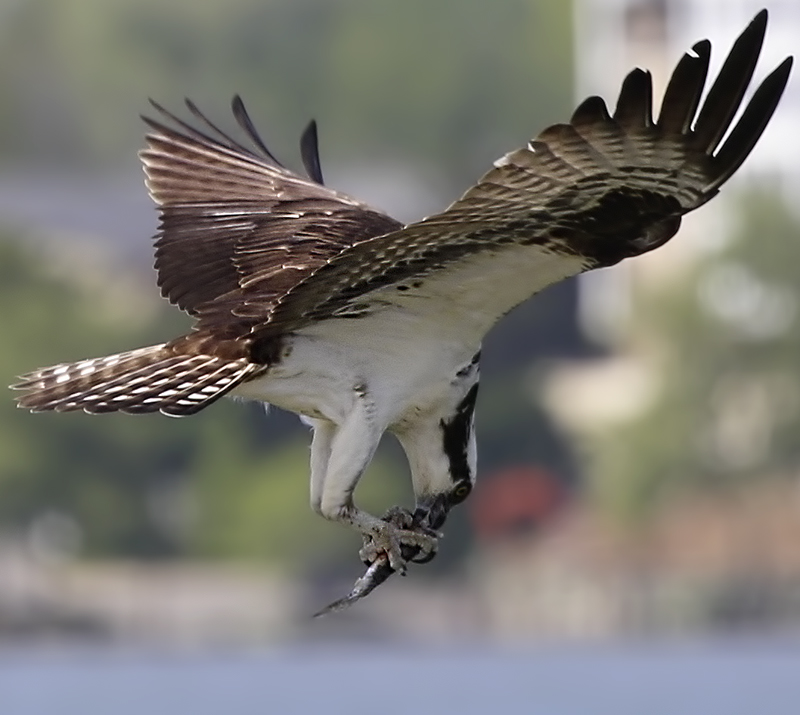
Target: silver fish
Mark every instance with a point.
(377, 572)
(380, 570)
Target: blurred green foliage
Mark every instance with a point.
(724, 340)
(414, 80)
(411, 82)
(146, 486)
(222, 484)
(256, 506)
(51, 462)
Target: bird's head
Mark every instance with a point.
(442, 453)
(460, 453)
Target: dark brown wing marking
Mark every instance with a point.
(270, 260)
(600, 187)
(309, 151)
(235, 222)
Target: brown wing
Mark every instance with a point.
(598, 189)
(235, 222)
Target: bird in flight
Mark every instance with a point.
(311, 300)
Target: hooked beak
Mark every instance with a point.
(432, 511)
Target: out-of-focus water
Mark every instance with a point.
(721, 678)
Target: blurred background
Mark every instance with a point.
(638, 429)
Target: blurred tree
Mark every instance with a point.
(148, 486)
(425, 79)
(50, 463)
(454, 83)
(724, 341)
(256, 506)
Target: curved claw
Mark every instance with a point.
(389, 542)
(423, 558)
(380, 569)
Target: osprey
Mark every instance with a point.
(311, 300)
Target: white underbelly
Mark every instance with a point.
(330, 363)
(406, 353)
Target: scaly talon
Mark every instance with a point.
(400, 517)
(388, 539)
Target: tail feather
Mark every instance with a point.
(152, 379)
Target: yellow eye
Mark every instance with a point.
(461, 492)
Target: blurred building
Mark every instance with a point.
(515, 502)
(613, 37)
(708, 559)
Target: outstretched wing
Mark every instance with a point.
(234, 221)
(581, 195)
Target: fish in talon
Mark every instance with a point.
(379, 570)
(376, 574)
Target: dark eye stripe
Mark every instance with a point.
(456, 434)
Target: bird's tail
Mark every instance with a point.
(151, 379)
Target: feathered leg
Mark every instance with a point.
(324, 432)
(352, 447)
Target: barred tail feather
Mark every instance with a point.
(152, 379)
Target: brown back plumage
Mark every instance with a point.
(235, 223)
(601, 187)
